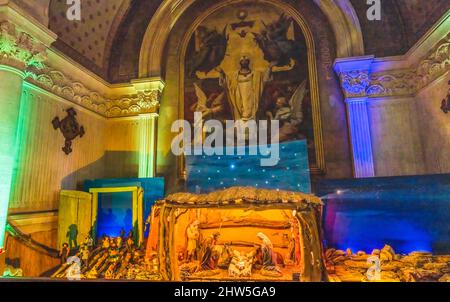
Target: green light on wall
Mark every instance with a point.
(10, 96)
(5, 188)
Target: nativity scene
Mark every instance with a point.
(224, 140)
(228, 235)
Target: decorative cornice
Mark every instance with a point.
(54, 81)
(23, 52)
(396, 83)
(436, 64)
(20, 50)
(357, 79)
(144, 102)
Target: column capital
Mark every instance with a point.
(20, 50)
(23, 39)
(149, 92)
(145, 100)
(354, 74)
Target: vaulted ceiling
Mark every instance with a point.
(402, 24)
(90, 39)
(111, 31)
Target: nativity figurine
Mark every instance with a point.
(209, 259)
(269, 262)
(193, 236)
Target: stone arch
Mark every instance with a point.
(341, 16)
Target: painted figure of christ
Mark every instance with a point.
(245, 86)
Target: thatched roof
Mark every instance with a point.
(236, 195)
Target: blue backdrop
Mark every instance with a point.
(114, 210)
(409, 213)
(209, 173)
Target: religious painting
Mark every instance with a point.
(250, 62)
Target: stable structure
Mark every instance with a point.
(78, 215)
(193, 235)
(136, 206)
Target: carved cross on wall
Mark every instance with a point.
(445, 104)
(69, 128)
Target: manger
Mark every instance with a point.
(238, 234)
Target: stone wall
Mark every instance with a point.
(395, 137)
(396, 124)
(42, 168)
(434, 126)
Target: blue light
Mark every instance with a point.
(360, 137)
(410, 213)
(232, 166)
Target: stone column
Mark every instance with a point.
(11, 80)
(149, 94)
(147, 144)
(20, 54)
(354, 74)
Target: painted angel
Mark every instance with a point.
(277, 41)
(210, 48)
(210, 106)
(289, 113)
